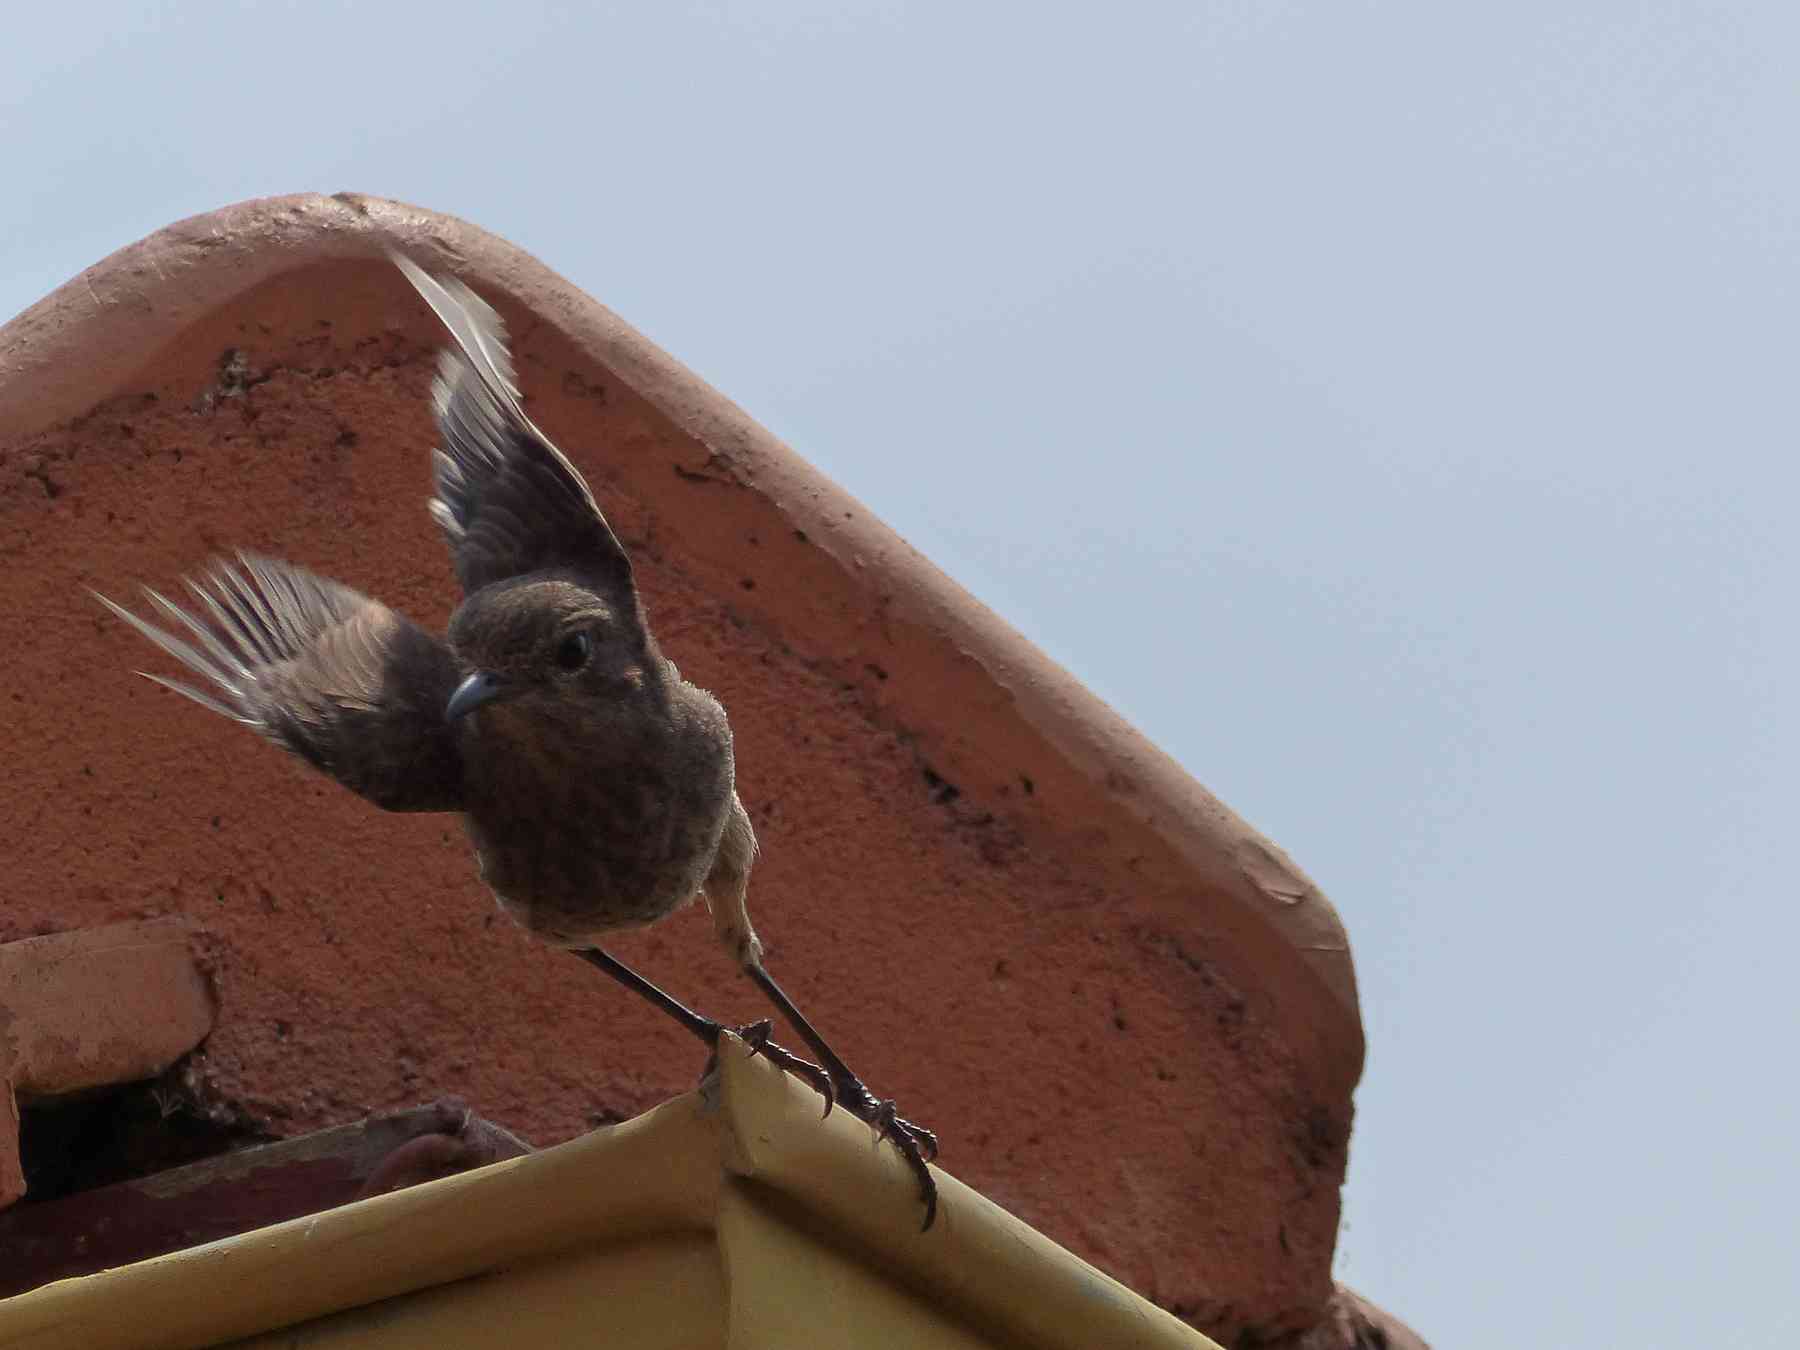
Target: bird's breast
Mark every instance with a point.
(576, 844)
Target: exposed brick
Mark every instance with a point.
(236, 1192)
(92, 1007)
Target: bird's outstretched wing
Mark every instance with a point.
(339, 679)
(508, 500)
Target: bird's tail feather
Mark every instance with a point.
(185, 653)
(260, 615)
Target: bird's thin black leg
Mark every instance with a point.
(917, 1144)
(756, 1035)
(704, 1028)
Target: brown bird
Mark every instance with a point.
(596, 784)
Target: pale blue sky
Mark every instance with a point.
(1387, 406)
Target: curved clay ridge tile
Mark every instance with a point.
(1017, 711)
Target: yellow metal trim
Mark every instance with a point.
(815, 1227)
(656, 1174)
(790, 1287)
(658, 1293)
(1000, 1273)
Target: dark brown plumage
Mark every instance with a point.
(596, 784)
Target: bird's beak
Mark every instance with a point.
(478, 689)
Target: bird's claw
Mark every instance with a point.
(917, 1145)
(756, 1036)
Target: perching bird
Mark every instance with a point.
(596, 784)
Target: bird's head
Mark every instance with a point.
(542, 642)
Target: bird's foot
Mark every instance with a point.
(916, 1144)
(756, 1036)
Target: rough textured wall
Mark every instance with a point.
(1062, 1002)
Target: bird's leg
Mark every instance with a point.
(725, 890)
(917, 1144)
(755, 1035)
(853, 1094)
(703, 1027)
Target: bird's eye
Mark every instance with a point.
(573, 651)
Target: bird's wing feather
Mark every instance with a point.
(341, 680)
(508, 501)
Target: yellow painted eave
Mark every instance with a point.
(812, 1219)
